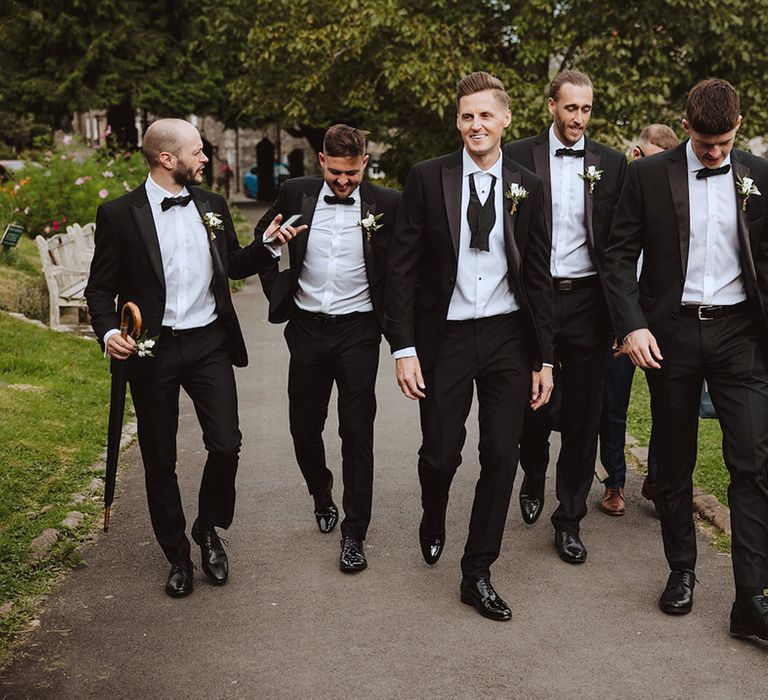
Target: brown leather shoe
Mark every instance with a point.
(613, 501)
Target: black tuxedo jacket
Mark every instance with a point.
(533, 153)
(299, 196)
(423, 257)
(127, 265)
(653, 215)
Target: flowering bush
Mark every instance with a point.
(66, 185)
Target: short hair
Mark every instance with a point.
(659, 135)
(712, 107)
(163, 136)
(573, 77)
(344, 141)
(480, 81)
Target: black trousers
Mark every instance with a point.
(728, 354)
(491, 353)
(199, 362)
(345, 352)
(580, 343)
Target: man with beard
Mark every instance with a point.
(173, 261)
(582, 181)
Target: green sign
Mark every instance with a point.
(12, 234)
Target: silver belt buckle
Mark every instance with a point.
(699, 311)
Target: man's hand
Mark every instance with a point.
(120, 348)
(408, 373)
(281, 235)
(541, 389)
(642, 349)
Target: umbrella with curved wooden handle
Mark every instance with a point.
(130, 318)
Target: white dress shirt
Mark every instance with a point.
(570, 252)
(714, 274)
(187, 262)
(333, 278)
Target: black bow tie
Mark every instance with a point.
(578, 153)
(169, 202)
(333, 199)
(709, 172)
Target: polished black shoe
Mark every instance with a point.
(677, 598)
(570, 548)
(180, 579)
(326, 512)
(531, 500)
(749, 618)
(352, 558)
(215, 563)
(431, 543)
(482, 595)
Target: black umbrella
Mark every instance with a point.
(130, 315)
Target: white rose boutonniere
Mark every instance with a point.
(144, 345)
(592, 175)
(212, 222)
(515, 193)
(370, 224)
(746, 187)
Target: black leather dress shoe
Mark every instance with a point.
(180, 579)
(215, 563)
(482, 595)
(749, 618)
(326, 512)
(570, 548)
(531, 500)
(352, 558)
(431, 543)
(677, 598)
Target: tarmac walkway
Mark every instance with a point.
(290, 625)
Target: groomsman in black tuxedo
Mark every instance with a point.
(697, 213)
(333, 298)
(582, 181)
(170, 248)
(469, 303)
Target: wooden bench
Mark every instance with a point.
(66, 260)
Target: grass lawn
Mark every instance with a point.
(710, 473)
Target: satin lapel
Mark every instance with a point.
(540, 153)
(510, 246)
(308, 204)
(590, 158)
(367, 206)
(677, 171)
(203, 207)
(742, 222)
(145, 222)
(452, 196)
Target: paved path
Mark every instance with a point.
(290, 625)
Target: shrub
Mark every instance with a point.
(65, 185)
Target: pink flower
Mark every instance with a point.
(107, 173)
(103, 193)
(56, 225)
(126, 186)
(47, 229)
(108, 132)
(82, 180)
(67, 139)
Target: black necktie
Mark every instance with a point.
(578, 153)
(709, 172)
(169, 202)
(333, 199)
(481, 217)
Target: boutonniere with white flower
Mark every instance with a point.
(592, 175)
(515, 193)
(144, 345)
(370, 224)
(746, 187)
(212, 222)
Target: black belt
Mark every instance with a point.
(571, 284)
(710, 312)
(329, 319)
(167, 330)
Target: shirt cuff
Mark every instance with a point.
(404, 352)
(547, 364)
(107, 336)
(274, 252)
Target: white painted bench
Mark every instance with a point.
(66, 261)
